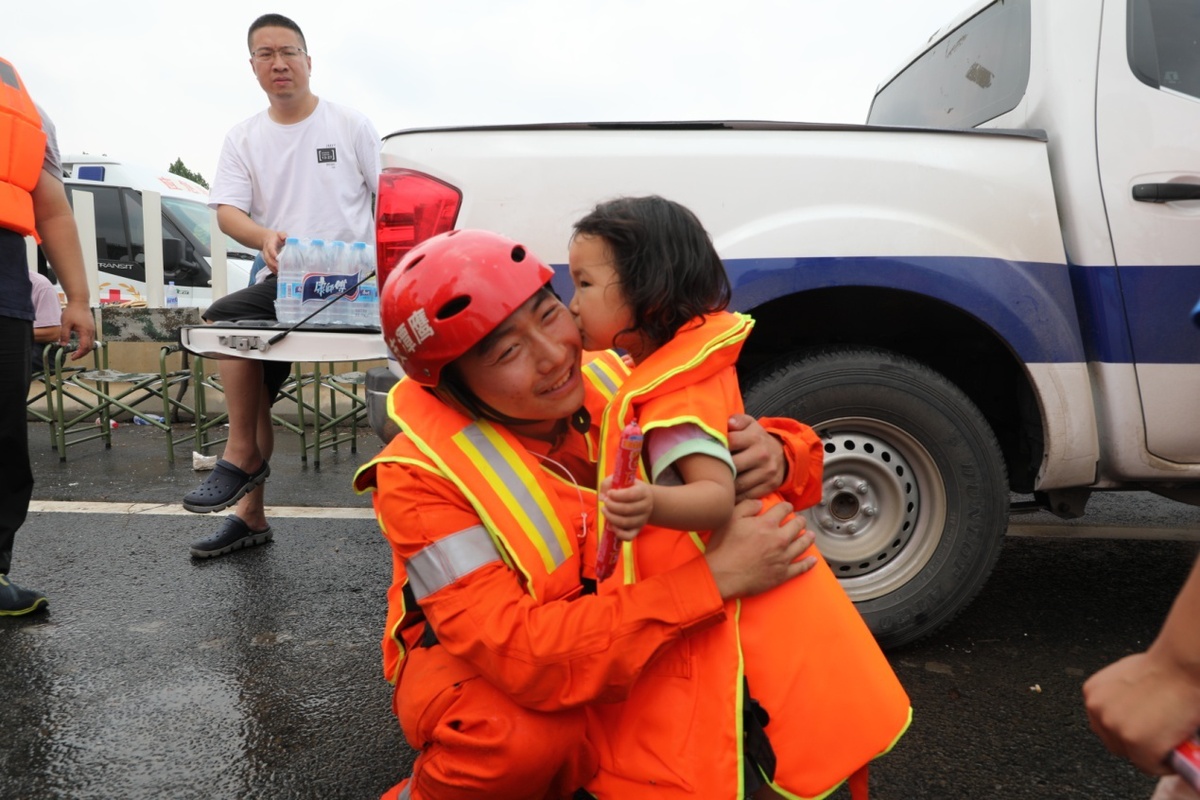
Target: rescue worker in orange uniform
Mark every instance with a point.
(649, 281)
(34, 203)
(495, 645)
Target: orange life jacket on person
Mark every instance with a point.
(532, 514)
(809, 659)
(22, 150)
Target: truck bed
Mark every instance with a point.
(252, 339)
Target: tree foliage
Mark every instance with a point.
(180, 169)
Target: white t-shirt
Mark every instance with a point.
(314, 179)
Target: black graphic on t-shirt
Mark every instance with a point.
(326, 155)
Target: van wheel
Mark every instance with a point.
(915, 501)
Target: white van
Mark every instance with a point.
(116, 188)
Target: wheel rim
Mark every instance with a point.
(882, 509)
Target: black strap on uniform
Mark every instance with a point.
(411, 606)
(759, 756)
(582, 794)
(428, 637)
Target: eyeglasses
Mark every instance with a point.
(265, 55)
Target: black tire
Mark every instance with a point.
(915, 501)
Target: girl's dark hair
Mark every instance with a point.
(669, 270)
(275, 21)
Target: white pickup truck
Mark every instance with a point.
(983, 291)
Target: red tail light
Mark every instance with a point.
(410, 208)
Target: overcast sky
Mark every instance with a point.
(151, 81)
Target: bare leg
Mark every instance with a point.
(251, 508)
(245, 396)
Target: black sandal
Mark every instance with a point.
(234, 534)
(225, 486)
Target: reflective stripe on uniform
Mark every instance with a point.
(519, 490)
(602, 377)
(448, 559)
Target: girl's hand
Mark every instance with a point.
(627, 510)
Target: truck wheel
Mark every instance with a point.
(915, 501)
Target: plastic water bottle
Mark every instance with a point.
(172, 295)
(290, 280)
(366, 305)
(316, 266)
(341, 278)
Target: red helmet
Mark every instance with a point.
(449, 292)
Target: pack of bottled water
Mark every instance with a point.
(311, 271)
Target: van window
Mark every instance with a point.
(1162, 37)
(977, 72)
(190, 270)
(111, 242)
(112, 235)
(192, 216)
(121, 239)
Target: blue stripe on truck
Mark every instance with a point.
(1029, 305)
(1158, 303)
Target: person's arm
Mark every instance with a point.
(1143, 705)
(47, 334)
(804, 454)
(573, 651)
(753, 553)
(47, 313)
(703, 502)
(367, 146)
(60, 239)
(776, 454)
(238, 224)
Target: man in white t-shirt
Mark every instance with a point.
(304, 167)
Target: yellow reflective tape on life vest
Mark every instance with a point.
(518, 489)
(726, 338)
(449, 559)
(693, 419)
(603, 375)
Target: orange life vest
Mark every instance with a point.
(809, 659)
(22, 150)
(532, 514)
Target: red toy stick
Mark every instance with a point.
(626, 470)
(1185, 759)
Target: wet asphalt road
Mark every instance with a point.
(257, 675)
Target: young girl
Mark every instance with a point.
(643, 268)
(649, 281)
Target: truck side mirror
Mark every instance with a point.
(172, 254)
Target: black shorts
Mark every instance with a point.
(255, 302)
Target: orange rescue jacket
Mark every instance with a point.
(810, 660)
(22, 150)
(507, 486)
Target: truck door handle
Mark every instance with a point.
(1165, 192)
